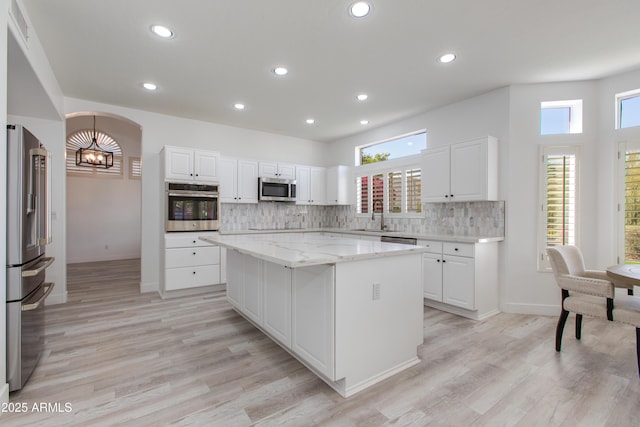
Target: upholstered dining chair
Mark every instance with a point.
(589, 293)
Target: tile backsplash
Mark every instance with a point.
(474, 219)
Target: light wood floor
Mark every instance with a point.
(121, 358)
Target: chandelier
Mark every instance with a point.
(93, 155)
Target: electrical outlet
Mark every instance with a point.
(376, 291)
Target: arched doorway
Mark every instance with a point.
(103, 206)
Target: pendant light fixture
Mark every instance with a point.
(93, 156)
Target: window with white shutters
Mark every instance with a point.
(558, 200)
(135, 168)
(629, 203)
(414, 186)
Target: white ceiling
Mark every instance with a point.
(224, 51)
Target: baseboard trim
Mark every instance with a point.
(539, 309)
(193, 291)
(469, 314)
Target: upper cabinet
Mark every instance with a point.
(466, 171)
(310, 185)
(338, 185)
(189, 165)
(277, 170)
(238, 180)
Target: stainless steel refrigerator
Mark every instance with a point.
(28, 233)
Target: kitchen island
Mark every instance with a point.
(349, 309)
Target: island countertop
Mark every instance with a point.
(295, 250)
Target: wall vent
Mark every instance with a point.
(19, 19)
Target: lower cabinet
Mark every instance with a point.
(189, 262)
(294, 306)
(461, 276)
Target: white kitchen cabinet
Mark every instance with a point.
(313, 317)
(461, 278)
(234, 277)
(337, 185)
(189, 165)
(466, 171)
(238, 180)
(310, 185)
(189, 262)
(252, 289)
(277, 302)
(277, 170)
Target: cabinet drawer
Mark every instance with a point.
(182, 241)
(198, 255)
(435, 246)
(459, 249)
(191, 277)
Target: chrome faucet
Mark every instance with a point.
(373, 213)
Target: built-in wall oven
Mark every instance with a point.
(28, 233)
(192, 207)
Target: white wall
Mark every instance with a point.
(4, 386)
(159, 130)
(103, 214)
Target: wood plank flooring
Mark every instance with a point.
(121, 358)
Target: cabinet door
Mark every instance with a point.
(252, 288)
(268, 170)
(432, 276)
(206, 166)
(247, 181)
(458, 284)
(178, 163)
(469, 170)
(303, 181)
(337, 191)
(313, 317)
(435, 175)
(286, 171)
(317, 186)
(234, 277)
(228, 180)
(277, 302)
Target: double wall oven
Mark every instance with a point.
(192, 207)
(28, 233)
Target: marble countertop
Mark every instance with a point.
(306, 249)
(373, 232)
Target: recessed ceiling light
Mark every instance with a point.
(280, 71)
(162, 31)
(364, 122)
(238, 106)
(362, 97)
(149, 86)
(310, 121)
(360, 9)
(447, 57)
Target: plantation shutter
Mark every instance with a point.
(560, 199)
(395, 191)
(632, 206)
(363, 195)
(414, 183)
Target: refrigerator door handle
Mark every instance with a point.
(28, 306)
(43, 264)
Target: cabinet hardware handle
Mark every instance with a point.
(190, 174)
(455, 249)
(194, 272)
(438, 260)
(451, 195)
(446, 196)
(194, 241)
(444, 260)
(194, 253)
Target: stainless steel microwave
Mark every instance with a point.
(277, 189)
(192, 207)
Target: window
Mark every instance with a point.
(629, 203)
(403, 146)
(558, 223)
(135, 168)
(561, 117)
(394, 189)
(83, 138)
(628, 109)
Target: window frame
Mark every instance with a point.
(384, 168)
(575, 115)
(359, 148)
(543, 264)
(623, 147)
(618, 107)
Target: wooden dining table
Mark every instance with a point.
(625, 276)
